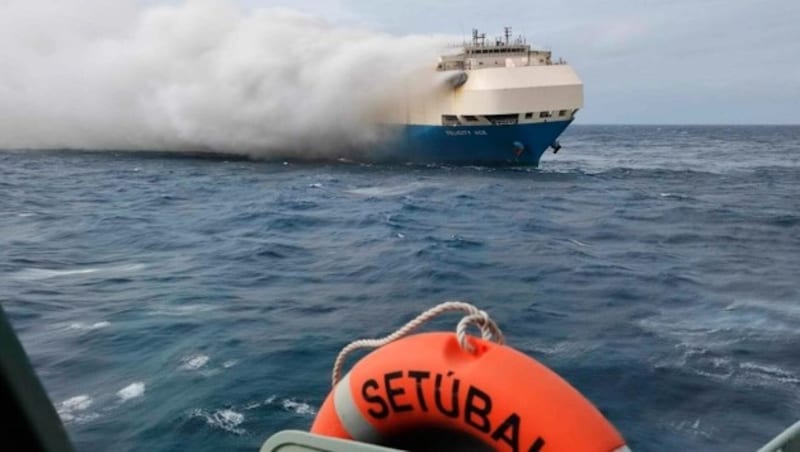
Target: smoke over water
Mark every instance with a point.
(195, 76)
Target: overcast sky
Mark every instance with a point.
(642, 61)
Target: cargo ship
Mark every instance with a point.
(500, 102)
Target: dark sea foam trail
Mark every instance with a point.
(175, 303)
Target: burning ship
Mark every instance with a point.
(500, 102)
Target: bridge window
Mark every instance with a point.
(450, 120)
(544, 114)
(528, 115)
(562, 113)
(470, 118)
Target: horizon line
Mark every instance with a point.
(696, 124)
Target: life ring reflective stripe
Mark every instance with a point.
(496, 394)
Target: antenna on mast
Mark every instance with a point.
(476, 37)
(508, 33)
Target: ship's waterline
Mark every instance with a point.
(518, 144)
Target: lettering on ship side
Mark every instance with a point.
(462, 133)
(387, 396)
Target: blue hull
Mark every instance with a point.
(519, 144)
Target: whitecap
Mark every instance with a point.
(43, 273)
(35, 274)
(226, 419)
(229, 363)
(382, 191)
(252, 405)
(672, 196)
(292, 405)
(77, 403)
(131, 391)
(89, 327)
(178, 311)
(229, 417)
(194, 362)
(73, 409)
(298, 407)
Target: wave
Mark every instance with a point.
(132, 391)
(391, 191)
(80, 326)
(75, 409)
(286, 404)
(225, 419)
(35, 274)
(194, 362)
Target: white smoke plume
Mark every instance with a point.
(205, 75)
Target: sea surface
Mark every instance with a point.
(173, 303)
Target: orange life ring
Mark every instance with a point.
(495, 394)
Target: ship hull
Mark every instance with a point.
(498, 145)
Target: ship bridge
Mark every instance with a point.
(490, 85)
(481, 54)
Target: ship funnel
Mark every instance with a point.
(458, 79)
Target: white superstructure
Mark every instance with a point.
(497, 103)
(504, 81)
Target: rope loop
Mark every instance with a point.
(474, 316)
(489, 329)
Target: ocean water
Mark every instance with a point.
(175, 303)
